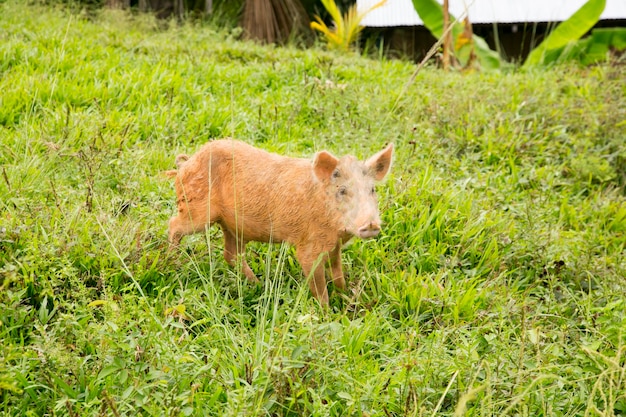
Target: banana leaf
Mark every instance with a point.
(431, 13)
(593, 49)
(601, 42)
(565, 33)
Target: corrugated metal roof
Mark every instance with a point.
(402, 13)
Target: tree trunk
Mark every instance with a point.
(144, 5)
(447, 36)
(274, 21)
(179, 9)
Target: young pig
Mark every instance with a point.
(258, 196)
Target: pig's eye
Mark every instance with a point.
(342, 191)
(373, 190)
(336, 174)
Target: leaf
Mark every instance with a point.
(321, 27)
(177, 311)
(96, 303)
(6, 386)
(127, 392)
(65, 387)
(346, 27)
(122, 377)
(566, 32)
(601, 42)
(431, 13)
(487, 57)
(109, 370)
(534, 335)
(344, 395)
(198, 322)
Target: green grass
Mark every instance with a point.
(497, 287)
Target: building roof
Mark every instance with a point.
(402, 13)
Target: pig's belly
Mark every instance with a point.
(262, 227)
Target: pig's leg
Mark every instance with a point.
(335, 267)
(312, 263)
(233, 249)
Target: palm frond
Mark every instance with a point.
(345, 28)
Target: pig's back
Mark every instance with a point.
(262, 195)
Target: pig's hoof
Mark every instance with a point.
(252, 279)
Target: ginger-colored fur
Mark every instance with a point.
(259, 196)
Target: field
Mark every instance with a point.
(497, 287)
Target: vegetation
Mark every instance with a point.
(345, 28)
(561, 45)
(567, 33)
(467, 49)
(496, 288)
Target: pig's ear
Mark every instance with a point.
(380, 163)
(324, 165)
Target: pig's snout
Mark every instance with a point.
(370, 230)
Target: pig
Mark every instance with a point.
(315, 205)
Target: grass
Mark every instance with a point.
(497, 287)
